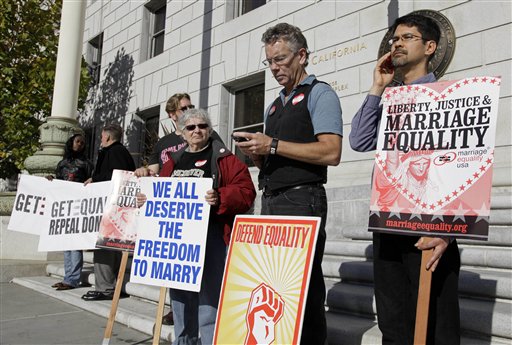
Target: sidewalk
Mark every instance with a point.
(29, 317)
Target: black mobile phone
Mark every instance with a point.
(239, 139)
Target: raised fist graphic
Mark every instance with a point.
(263, 313)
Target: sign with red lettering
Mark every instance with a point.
(266, 280)
(434, 159)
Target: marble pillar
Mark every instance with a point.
(62, 123)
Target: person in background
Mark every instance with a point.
(396, 258)
(74, 167)
(112, 155)
(232, 193)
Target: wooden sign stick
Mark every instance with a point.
(159, 315)
(115, 299)
(420, 329)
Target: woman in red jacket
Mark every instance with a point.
(232, 193)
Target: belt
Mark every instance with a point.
(268, 192)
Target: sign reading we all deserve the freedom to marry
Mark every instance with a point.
(266, 280)
(172, 228)
(434, 158)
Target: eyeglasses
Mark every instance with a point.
(190, 128)
(278, 60)
(187, 107)
(405, 38)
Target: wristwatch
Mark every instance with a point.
(273, 146)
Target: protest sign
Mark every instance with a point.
(434, 158)
(171, 240)
(29, 205)
(118, 227)
(72, 216)
(266, 280)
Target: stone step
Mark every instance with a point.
(345, 329)
(471, 254)
(484, 317)
(473, 281)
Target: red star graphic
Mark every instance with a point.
(388, 96)
(443, 96)
(417, 88)
(411, 196)
(462, 187)
(466, 82)
(484, 79)
(423, 205)
(430, 94)
(436, 98)
(399, 185)
(380, 161)
(401, 88)
(439, 202)
(475, 80)
(377, 154)
(488, 161)
(394, 92)
(493, 81)
(455, 193)
(450, 90)
(457, 85)
(447, 198)
(409, 88)
(432, 206)
(405, 190)
(469, 181)
(393, 180)
(389, 174)
(418, 200)
(475, 175)
(482, 168)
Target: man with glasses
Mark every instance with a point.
(397, 258)
(303, 135)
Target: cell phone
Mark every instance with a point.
(388, 64)
(239, 139)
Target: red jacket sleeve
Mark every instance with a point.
(236, 189)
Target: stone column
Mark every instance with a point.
(62, 123)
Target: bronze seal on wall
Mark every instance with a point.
(445, 48)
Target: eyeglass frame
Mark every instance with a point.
(193, 127)
(407, 37)
(187, 107)
(279, 62)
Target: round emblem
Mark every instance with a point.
(297, 98)
(200, 163)
(445, 48)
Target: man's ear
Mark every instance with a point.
(302, 54)
(431, 47)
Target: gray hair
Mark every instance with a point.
(194, 114)
(288, 33)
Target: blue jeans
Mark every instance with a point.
(73, 262)
(195, 312)
(308, 201)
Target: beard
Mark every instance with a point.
(401, 60)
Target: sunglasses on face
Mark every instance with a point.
(190, 128)
(187, 107)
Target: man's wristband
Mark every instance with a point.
(273, 146)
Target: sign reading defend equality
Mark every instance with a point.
(266, 280)
(434, 159)
(171, 237)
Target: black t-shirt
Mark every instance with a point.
(167, 144)
(194, 164)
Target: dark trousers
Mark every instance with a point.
(310, 201)
(396, 266)
(106, 269)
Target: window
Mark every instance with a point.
(149, 120)
(236, 8)
(154, 19)
(247, 106)
(95, 49)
